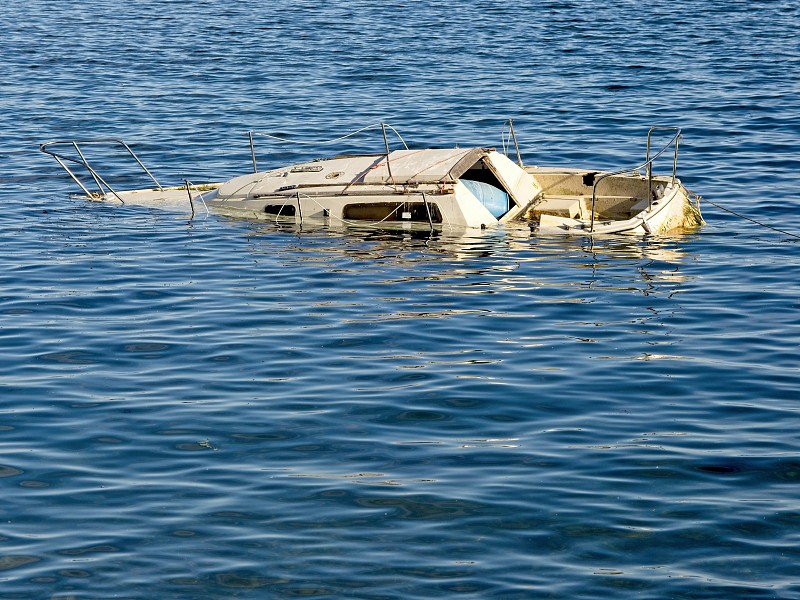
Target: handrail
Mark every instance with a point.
(648, 163)
(62, 159)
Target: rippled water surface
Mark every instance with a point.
(213, 408)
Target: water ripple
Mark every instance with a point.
(216, 408)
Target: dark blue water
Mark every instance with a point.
(223, 409)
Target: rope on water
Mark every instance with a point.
(339, 139)
(741, 216)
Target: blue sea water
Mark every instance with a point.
(213, 408)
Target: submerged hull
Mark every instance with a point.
(438, 188)
(430, 188)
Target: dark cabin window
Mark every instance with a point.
(392, 212)
(283, 210)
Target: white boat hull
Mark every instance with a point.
(454, 188)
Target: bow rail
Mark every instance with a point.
(57, 149)
(648, 164)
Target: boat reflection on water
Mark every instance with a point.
(510, 259)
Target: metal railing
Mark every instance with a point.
(648, 163)
(512, 137)
(103, 186)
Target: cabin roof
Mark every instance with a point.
(401, 167)
(423, 166)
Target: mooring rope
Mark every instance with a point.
(698, 197)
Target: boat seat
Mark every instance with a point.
(559, 206)
(613, 207)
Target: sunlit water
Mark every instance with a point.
(212, 408)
